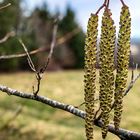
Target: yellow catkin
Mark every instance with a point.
(106, 63)
(122, 63)
(90, 73)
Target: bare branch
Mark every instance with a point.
(131, 84)
(80, 105)
(30, 62)
(23, 54)
(51, 48)
(32, 66)
(38, 78)
(7, 36)
(43, 69)
(123, 3)
(104, 4)
(132, 75)
(5, 6)
(58, 42)
(129, 135)
(67, 36)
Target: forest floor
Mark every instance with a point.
(41, 122)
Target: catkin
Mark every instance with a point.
(90, 73)
(106, 63)
(122, 63)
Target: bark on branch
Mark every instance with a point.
(129, 135)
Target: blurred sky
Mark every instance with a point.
(83, 8)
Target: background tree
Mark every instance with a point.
(9, 21)
(36, 31)
(76, 44)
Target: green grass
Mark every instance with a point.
(40, 122)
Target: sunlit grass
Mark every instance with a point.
(41, 122)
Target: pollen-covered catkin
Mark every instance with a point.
(122, 63)
(106, 63)
(90, 73)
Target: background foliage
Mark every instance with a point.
(36, 31)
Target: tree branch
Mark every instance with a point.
(129, 135)
(53, 43)
(133, 80)
(104, 4)
(7, 36)
(59, 41)
(5, 6)
(123, 3)
(30, 62)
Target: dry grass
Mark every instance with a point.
(41, 122)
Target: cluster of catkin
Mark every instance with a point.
(111, 85)
(106, 73)
(90, 73)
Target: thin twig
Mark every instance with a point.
(104, 4)
(7, 36)
(38, 78)
(32, 66)
(3, 57)
(60, 41)
(132, 75)
(131, 84)
(133, 64)
(107, 4)
(80, 105)
(123, 3)
(43, 69)
(30, 62)
(5, 6)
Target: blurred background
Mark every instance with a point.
(33, 21)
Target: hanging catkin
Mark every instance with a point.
(122, 63)
(106, 63)
(90, 73)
